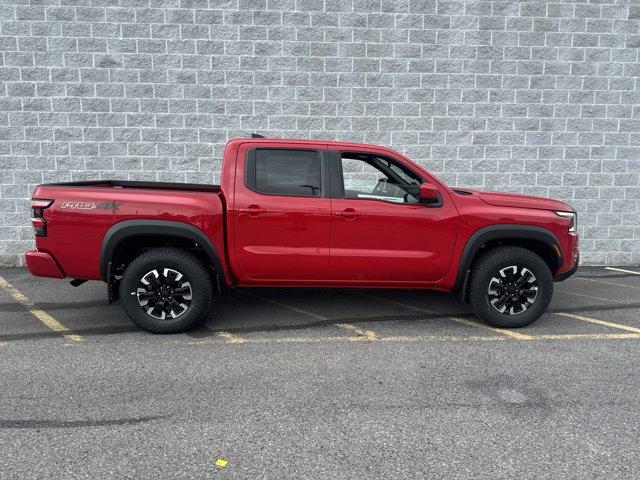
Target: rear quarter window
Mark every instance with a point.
(284, 172)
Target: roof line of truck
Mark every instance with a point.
(304, 141)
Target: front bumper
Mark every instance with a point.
(41, 264)
(567, 273)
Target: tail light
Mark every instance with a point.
(38, 220)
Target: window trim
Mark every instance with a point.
(250, 166)
(340, 182)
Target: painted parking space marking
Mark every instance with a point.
(592, 297)
(622, 270)
(277, 340)
(370, 335)
(396, 303)
(356, 339)
(597, 321)
(502, 331)
(41, 315)
(589, 336)
(366, 328)
(462, 321)
(284, 305)
(608, 283)
(422, 338)
(231, 338)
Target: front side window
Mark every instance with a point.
(370, 177)
(285, 172)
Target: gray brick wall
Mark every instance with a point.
(534, 97)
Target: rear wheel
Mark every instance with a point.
(510, 287)
(166, 290)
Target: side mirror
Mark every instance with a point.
(428, 192)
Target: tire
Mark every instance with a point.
(493, 278)
(177, 300)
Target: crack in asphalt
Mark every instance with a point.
(42, 424)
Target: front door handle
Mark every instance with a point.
(348, 214)
(253, 210)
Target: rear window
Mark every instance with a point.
(285, 172)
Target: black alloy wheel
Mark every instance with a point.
(164, 293)
(513, 290)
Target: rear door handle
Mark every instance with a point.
(252, 210)
(348, 213)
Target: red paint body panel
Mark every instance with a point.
(41, 264)
(390, 242)
(285, 238)
(476, 214)
(289, 240)
(75, 235)
(500, 199)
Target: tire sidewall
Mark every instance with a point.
(201, 292)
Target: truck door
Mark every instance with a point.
(381, 232)
(281, 213)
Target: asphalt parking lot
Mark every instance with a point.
(320, 384)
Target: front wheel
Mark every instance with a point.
(166, 290)
(510, 287)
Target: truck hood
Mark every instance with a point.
(519, 201)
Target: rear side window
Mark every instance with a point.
(284, 172)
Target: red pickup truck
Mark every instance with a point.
(303, 213)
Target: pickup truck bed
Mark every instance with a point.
(84, 215)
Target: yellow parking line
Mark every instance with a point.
(601, 322)
(231, 338)
(608, 283)
(463, 321)
(253, 341)
(394, 302)
(345, 326)
(623, 270)
(284, 305)
(369, 334)
(592, 297)
(425, 338)
(41, 315)
(501, 331)
(357, 339)
(591, 336)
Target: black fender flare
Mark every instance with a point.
(156, 228)
(497, 232)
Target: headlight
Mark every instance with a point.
(573, 216)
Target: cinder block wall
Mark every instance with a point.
(534, 97)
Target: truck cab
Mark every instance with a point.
(336, 214)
